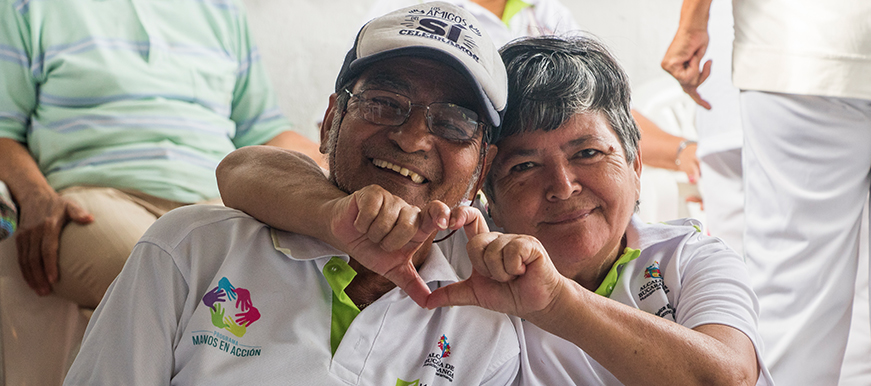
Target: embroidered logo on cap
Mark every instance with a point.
(443, 26)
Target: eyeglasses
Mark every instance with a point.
(445, 120)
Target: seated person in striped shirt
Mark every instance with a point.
(112, 114)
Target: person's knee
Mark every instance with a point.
(90, 256)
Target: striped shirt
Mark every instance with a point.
(136, 94)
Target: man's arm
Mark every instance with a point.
(292, 140)
(42, 215)
(684, 55)
(282, 188)
(514, 274)
(287, 190)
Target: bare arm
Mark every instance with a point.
(660, 149)
(43, 214)
(292, 140)
(514, 274)
(287, 190)
(282, 188)
(684, 55)
(615, 334)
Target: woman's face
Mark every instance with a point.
(572, 189)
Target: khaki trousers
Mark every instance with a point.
(41, 335)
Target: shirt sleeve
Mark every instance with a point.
(131, 337)
(715, 288)
(18, 88)
(254, 109)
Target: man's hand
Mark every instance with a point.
(382, 232)
(513, 274)
(682, 60)
(37, 238)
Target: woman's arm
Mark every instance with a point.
(514, 274)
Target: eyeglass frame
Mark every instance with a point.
(480, 125)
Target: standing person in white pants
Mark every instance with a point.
(804, 70)
(718, 123)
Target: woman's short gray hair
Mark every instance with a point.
(551, 79)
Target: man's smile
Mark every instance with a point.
(416, 178)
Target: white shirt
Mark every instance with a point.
(156, 326)
(541, 17)
(680, 275)
(806, 47)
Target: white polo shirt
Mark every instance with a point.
(680, 275)
(212, 296)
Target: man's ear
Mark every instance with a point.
(489, 155)
(327, 123)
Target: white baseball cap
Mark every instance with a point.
(438, 31)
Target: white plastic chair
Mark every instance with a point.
(664, 192)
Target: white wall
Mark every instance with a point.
(303, 43)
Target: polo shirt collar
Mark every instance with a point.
(641, 235)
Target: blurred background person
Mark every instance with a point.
(112, 114)
(805, 103)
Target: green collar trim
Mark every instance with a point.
(607, 287)
(339, 274)
(513, 7)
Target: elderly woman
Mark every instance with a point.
(604, 298)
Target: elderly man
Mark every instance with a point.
(212, 296)
(605, 299)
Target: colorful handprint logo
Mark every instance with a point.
(653, 271)
(444, 346)
(247, 314)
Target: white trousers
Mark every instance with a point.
(722, 186)
(806, 168)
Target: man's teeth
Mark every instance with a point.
(417, 178)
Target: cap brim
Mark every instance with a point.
(356, 67)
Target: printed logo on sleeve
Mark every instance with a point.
(653, 285)
(232, 310)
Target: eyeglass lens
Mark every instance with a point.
(445, 120)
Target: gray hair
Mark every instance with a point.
(551, 79)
